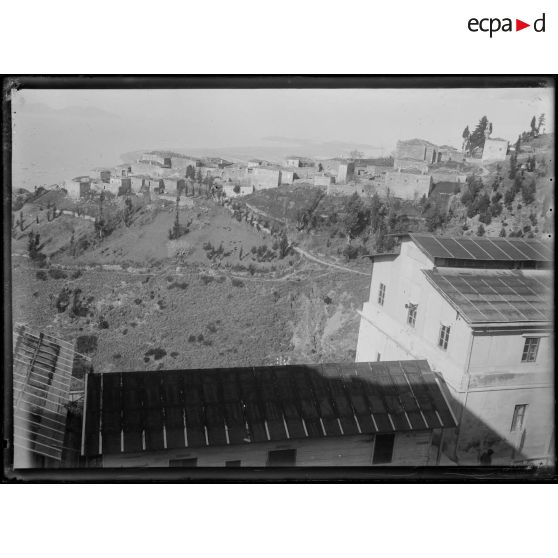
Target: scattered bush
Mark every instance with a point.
(41, 275)
(237, 282)
(191, 339)
(183, 286)
(157, 353)
(212, 328)
(103, 324)
(86, 344)
(57, 273)
(200, 337)
(206, 279)
(77, 274)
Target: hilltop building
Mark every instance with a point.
(102, 174)
(182, 162)
(122, 170)
(120, 186)
(296, 161)
(266, 177)
(480, 312)
(448, 153)
(158, 158)
(78, 187)
(313, 415)
(287, 176)
(407, 185)
(345, 172)
(495, 149)
(417, 150)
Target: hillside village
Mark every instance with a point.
(169, 261)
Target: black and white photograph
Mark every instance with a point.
(281, 277)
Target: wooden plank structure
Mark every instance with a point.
(42, 375)
(130, 412)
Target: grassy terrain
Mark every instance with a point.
(220, 300)
(194, 319)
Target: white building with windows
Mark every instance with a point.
(479, 311)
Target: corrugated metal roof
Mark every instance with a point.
(483, 249)
(149, 411)
(496, 296)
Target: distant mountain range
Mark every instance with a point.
(280, 148)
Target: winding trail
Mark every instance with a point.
(324, 262)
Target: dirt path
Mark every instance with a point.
(324, 262)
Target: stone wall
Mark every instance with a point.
(407, 185)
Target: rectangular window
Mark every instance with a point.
(412, 314)
(518, 419)
(444, 337)
(235, 463)
(281, 458)
(189, 462)
(381, 294)
(383, 448)
(530, 349)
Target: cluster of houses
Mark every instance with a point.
(420, 168)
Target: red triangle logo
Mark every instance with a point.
(519, 25)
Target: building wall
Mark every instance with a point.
(410, 164)
(406, 150)
(384, 329)
(137, 183)
(494, 150)
(77, 190)
(323, 181)
(262, 178)
(287, 176)
(496, 408)
(409, 449)
(408, 186)
(293, 163)
(481, 367)
(184, 162)
(345, 172)
(146, 168)
(450, 155)
(447, 176)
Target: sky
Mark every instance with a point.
(67, 128)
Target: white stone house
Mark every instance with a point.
(479, 311)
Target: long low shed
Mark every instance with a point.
(154, 411)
